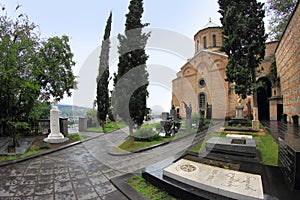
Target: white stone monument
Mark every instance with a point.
(255, 121)
(239, 109)
(55, 136)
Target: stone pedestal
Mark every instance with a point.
(55, 136)
(239, 112)
(188, 123)
(255, 125)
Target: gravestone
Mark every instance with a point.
(223, 182)
(236, 146)
(55, 135)
(164, 115)
(82, 124)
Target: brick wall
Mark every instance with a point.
(288, 66)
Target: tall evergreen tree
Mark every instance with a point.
(244, 42)
(280, 11)
(103, 76)
(131, 81)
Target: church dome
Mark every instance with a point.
(210, 25)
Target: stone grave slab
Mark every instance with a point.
(223, 182)
(228, 145)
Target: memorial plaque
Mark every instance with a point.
(223, 182)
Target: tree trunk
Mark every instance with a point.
(131, 135)
(103, 125)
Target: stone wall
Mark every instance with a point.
(288, 66)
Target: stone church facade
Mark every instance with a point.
(201, 80)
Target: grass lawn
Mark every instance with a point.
(148, 190)
(110, 126)
(126, 146)
(39, 146)
(268, 149)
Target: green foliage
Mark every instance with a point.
(31, 69)
(146, 135)
(244, 42)
(131, 81)
(109, 126)
(92, 115)
(148, 190)
(280, 12)
(102, 97)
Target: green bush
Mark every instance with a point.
(146, 135)
(158, 126)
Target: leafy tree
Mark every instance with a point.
(280, 11)
(91, 116)
(31, 69)
(131, 81)
(244, 42)
(103, 76)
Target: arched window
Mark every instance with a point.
(214, 40)
(198, 45)
(204, 42)
(202, 100)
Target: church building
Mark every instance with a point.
(201, 81)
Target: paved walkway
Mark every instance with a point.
(82, 171)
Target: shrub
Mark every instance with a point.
(158, 126)
(146, 135)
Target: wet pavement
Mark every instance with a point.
(82, 171)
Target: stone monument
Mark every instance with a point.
(255, 122)
(55, 136)
(188, 112)
(239, 109)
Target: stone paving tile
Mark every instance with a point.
(25, 190)
(13, 180)
(44, 197)
(8, 190)
(96, 180)
(62, 177)
(46, 179)
(78, 175)
(86, 193)
(68, 195)
(42, 189)
(63, 186)
(81, 183)
(104, 188)
(28, 180)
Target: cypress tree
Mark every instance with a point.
(244, 42)
(131, 81)
(103, 76)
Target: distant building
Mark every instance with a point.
(201, 80)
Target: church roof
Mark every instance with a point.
(210, 25)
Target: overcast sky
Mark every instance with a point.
(84, 23)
